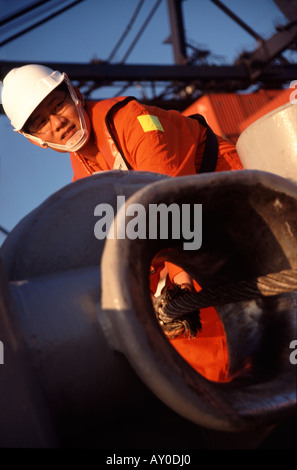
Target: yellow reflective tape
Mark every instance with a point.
(150, 123)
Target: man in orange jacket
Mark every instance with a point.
(121, 133)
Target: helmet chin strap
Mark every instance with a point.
(78, 139)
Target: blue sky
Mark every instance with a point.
(28, 174)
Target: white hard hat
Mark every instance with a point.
(24, 88)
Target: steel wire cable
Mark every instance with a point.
(39, 23)
(263, 286)
(141, 30)
(21, 12)
(129, 26)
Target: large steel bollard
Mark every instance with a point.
(249, 230)
(78, 337)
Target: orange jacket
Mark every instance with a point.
(152, 139)
(149, 138)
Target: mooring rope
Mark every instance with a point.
(263, 286)
(177, 309)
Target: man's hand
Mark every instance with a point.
(184, 281)
(176, 324)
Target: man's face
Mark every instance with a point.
(56, 119)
